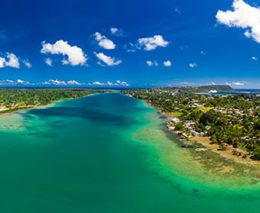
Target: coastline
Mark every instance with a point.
(171, 158)
(204, 141)
(10, 111)
(30, 107)
(207, 145)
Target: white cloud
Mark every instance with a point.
(27, 63)
(104, 42)
(55, 82)
(242, 16)
(167, 63)
(116, 32)
(122, 83)
(20, 81)
(12, 61)
(73, 55)
(118, 83)
(109, 83)
(254, 58)
(151, 43)
(238, 83)
(48, 61)
(2, 62)
(152, 63)
(73, 82)
(109, 61)
(97, 83)
(193, 65)
(203, 53)
(149, 63)
(235, 83)
(46, 83)
(229, 84)
(7, 82)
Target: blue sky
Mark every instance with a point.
(130, 43)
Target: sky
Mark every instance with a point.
(130, 43)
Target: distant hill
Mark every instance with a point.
(219, 88)
(206, 89)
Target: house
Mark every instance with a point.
(175, 120)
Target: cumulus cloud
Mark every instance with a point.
(122, 83)
(11, 60)
(48, 61)
(104, 42)
(152, 63)
(107, 60)
(237, 83)
(55, 82)
(118, 83)
(19, 81)
(193, 65)
(98, 83)
(27, 63)
(151, 43)
(167, 63)
(73, 55)
(254, 58)
(242, 16)
(73, 82)
(58, 83)
(7, 82)
(116, 32)
(2, 62)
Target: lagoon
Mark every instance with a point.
(111, 153)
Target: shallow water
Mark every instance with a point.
(109, 153)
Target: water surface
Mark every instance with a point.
(109, 153)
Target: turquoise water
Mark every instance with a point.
(107, 153)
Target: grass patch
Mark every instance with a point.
(174, 114)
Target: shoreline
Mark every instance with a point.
(11, 111)
(201, 140)
(207, 144)
(191, 161)
(31, 107)
(213, 147)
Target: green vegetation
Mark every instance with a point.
(15, 99)
(227, 120)
(219, 88)
(204, 89)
